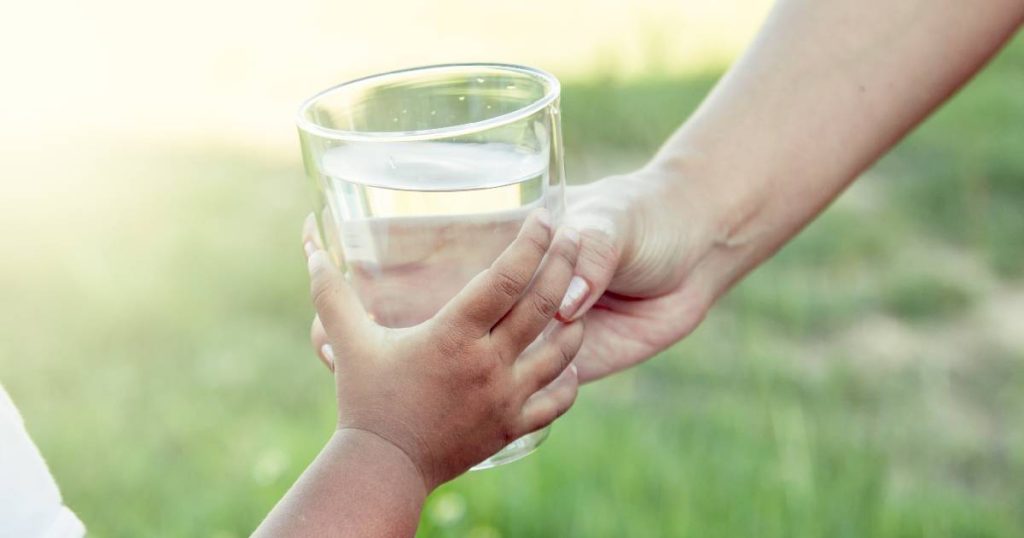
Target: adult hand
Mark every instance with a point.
(636, 282)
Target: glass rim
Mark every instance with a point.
(552, 90)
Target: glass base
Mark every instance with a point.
(516, 450)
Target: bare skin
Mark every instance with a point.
(822, 93)
(826, 89)
(418, 406)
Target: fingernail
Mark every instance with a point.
(309, 247)
(574, 297)
(544, 218)
(575, 371)
(573, 235)
(328, 352)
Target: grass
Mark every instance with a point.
(926, 297)
(847, 388)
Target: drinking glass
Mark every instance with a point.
(421, 177)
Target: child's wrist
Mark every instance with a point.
(397, 464)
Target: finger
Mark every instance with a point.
(490, 295)
(541, 364)
(336, 303)
(311, 235)
(537, 307)
(318, 337)
(549, 403)
(598, 259)
(600, 250)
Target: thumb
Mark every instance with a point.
(598, 259)
(336, 303)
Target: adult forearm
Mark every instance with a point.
(826, 88)
(358, 486)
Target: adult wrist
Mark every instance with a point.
(712, 189)
(715, 206)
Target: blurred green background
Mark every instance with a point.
(867, 381)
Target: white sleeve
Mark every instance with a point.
(30, 503)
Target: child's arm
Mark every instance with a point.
(419, 406)
(359, 485)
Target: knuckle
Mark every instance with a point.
(536, 243)
(320, 277)
(322, 292)
(566, 353)
(545, 304)
(567, 253)
(568, 344)
(544, 418)
(507, 284)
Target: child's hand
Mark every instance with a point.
(457, 388)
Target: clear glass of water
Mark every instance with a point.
(422, 177)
